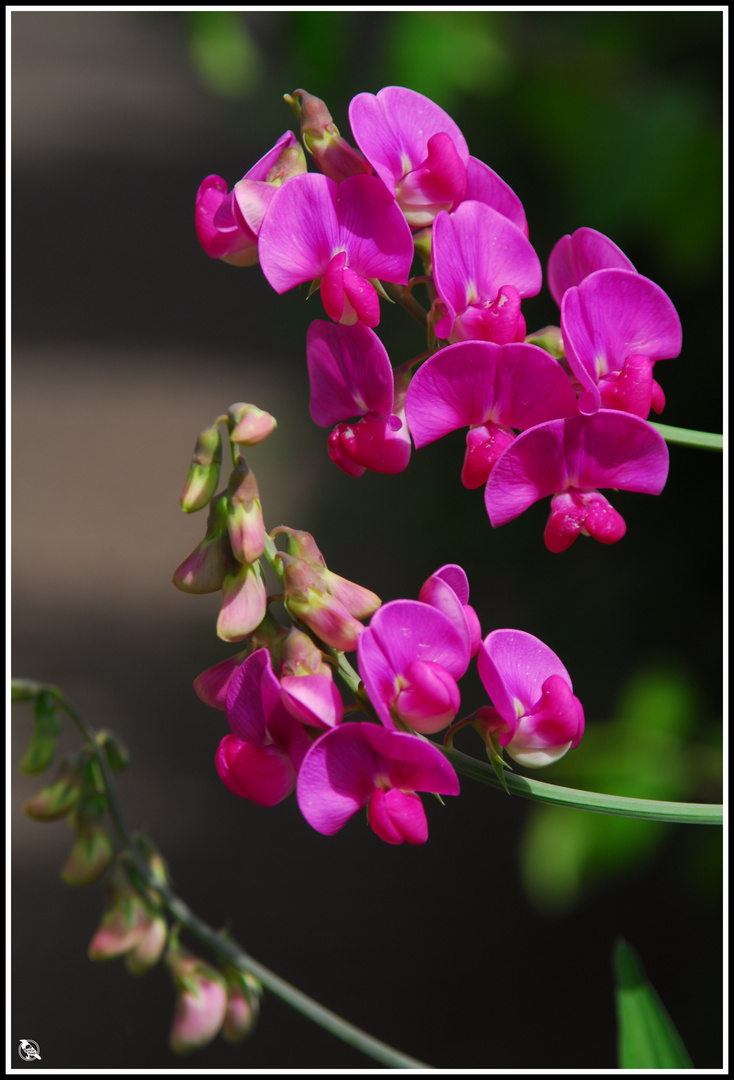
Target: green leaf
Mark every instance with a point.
(646, 1038)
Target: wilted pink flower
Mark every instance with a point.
(414, 147)
(351, 376)
(448, 590)
(410, 657)
(260, 759)
(361, 764)
(483, 265)
(536, 716)
(491, 389)
(576, 256)
(615, 325)
(228, 224)
(569, 459)
(347, 235)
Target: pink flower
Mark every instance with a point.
(346, 235)
(483, 265)
(260, 759)
(228, 224)
(536, 716)
(415, 148)
(361, 764)
(570, 459)
(485, 186)
(351, 375)
(410, 657)
(491, 389)
(615, 325)
(448, 590)
(575, 257)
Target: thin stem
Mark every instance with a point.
(223, 947)
(705, 440)
(406, 299)
(619, 805)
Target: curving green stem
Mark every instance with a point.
(705, 440)
(619, 805)
(226, 949)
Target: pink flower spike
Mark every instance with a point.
(576, 256)
(415, 148)
(577, 455)
(532, 692)
(485, 186)
(347, 234)
(613, 317)
(482, 265)
(346, 767)
(409, 657)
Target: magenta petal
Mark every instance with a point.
(513, 666)
(438, 183)
(408, 630)
(212, 685)
(332, 287)
(312, 699)
(484, 445)
(373, 444)
(430, 700)
(253, 694)
(614, 314)
(263, 775)
(349, 371)
(629, 389)
(373, 230)
(609, 449)
(244, 602)
(337, 777)
(392, 130)
(410, 762)
(362, 298)
(300, 233)
(233, 240)
(475, 252)
(439, 593)
(575, 257)
(397, 816)
(485, 186)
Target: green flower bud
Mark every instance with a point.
(203, 477)
(90, 856)
(59, 798)
(46, 729)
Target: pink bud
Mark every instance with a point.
(244, 514)
(203, 475)
(250, 424)
(202, 1001)
(332, 153)
(90, 856)
(244, 602)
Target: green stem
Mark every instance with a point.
(406, 299)
(619, 805)
(705, 440)
(225, 948)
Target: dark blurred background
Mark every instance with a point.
(489, 947)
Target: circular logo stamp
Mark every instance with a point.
(29, 1050)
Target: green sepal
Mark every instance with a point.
(46, 729)
(646, 1036)
(498, 763)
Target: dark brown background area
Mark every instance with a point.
(127, 341)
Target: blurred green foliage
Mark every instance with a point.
(646, 1036)
(223, 52)
(645, 751)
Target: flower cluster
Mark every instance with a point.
(560, 413)
(288, 726)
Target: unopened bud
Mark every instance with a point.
(250, 425)
(301, 656)
(46, 729)
(201, 1005)
(550, 339)
(243, 1006)
(244, 602)
(332, 153)
(24, 690)
(124, 921)
(291, 161)
(203, 477)
(149, 949)
(90, 856)
(59, 798)
(115, 750)
(205, 568)
(359, 602)
(307, 598)
(244, 514)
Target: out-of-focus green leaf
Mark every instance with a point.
(647, 1038)
(223, 52)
